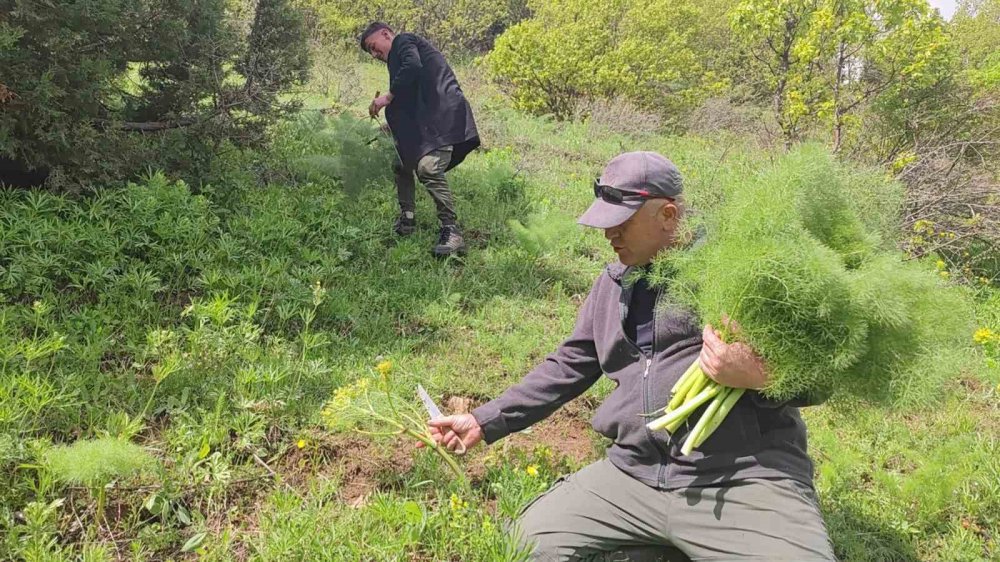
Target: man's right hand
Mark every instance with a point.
(378, 103)
(453, 432)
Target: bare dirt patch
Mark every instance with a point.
(361, 464)
(566, 433)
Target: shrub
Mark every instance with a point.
(573, 49)
(454, 26)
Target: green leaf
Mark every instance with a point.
(182, 515)
(414, 515)
(194, 542)
(204, 450)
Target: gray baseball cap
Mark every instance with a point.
(636, 175)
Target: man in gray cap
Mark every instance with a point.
(745, 494)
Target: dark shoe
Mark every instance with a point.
(404, 226)
(449, 243)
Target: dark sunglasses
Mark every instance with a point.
(617, 196)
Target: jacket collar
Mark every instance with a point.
(617, 271)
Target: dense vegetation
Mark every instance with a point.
(88, 89)
(170, 340)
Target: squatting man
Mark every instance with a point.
(745, 494)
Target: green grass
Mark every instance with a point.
(187, 321)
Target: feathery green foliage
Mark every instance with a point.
(541, 233)
(789, 259)
(918, 331)
(823, 204)
(791, 297)
(93, 462)
(350, 150)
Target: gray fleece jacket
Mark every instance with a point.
(759, 438)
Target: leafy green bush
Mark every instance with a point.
(139, 237)
(454, 26)
(573, 49)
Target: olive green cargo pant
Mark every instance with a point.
(602, 514)
(430, 171)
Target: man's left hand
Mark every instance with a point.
(378, 103)
(734, 365)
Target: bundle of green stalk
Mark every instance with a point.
(817, 292)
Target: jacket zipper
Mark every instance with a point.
(645, 384)
(664, 457)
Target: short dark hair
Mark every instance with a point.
(373, 27)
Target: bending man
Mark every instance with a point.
(431, 123)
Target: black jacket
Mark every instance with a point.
(428, 108)
(759, 437)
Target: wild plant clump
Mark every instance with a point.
(542, 233)
(788, 259)
(347, 149)
(95, 462)
(368, 406)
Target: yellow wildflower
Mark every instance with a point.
(532, 470)
(342, 395)
(940, 264)
(456, 503)
(983, 335)
(384, 368)
(301, 444)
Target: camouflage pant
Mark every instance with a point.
(430, 171)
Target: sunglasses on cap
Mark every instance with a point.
(616, 196)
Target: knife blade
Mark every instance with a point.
(432, 408)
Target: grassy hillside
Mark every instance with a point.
(210, 325)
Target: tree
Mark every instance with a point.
(827, 58)
(976, 29)
(90, 88)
